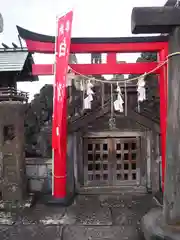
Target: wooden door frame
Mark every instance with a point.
(85, 161)
(113, 134)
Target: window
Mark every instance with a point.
(9, 132)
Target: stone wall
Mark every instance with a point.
(12, 179)
(38, 172)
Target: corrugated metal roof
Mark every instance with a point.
(12, 60)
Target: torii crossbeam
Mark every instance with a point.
(46, 44)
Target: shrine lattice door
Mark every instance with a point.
(111, 161)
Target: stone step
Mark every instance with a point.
(112, 190)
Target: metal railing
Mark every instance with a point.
(12, 94)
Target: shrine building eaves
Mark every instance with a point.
(17, 61)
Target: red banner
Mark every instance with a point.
(59, 129)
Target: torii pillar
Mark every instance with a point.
(166, 20)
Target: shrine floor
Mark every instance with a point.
(109, 217)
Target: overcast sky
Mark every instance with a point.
(92, 18)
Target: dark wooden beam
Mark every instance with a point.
(92, 116)
(154, 19)
(89, 118)
(170, 3)
(143, 121)
(36, 38)
(78, 102)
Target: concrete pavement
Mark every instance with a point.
(108, 217)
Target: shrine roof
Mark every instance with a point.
(12, 60)
(17, 60)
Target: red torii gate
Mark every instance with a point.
(38, 43)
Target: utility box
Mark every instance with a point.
(12, 157)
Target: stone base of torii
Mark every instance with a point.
(164, 222)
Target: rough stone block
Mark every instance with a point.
(12, 149)
(12, 192)
(36, 185)
(31, 171)
(42, 171)
(152, 227)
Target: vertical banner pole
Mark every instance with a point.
(59, 129)
(53, 120)
(163, 109)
